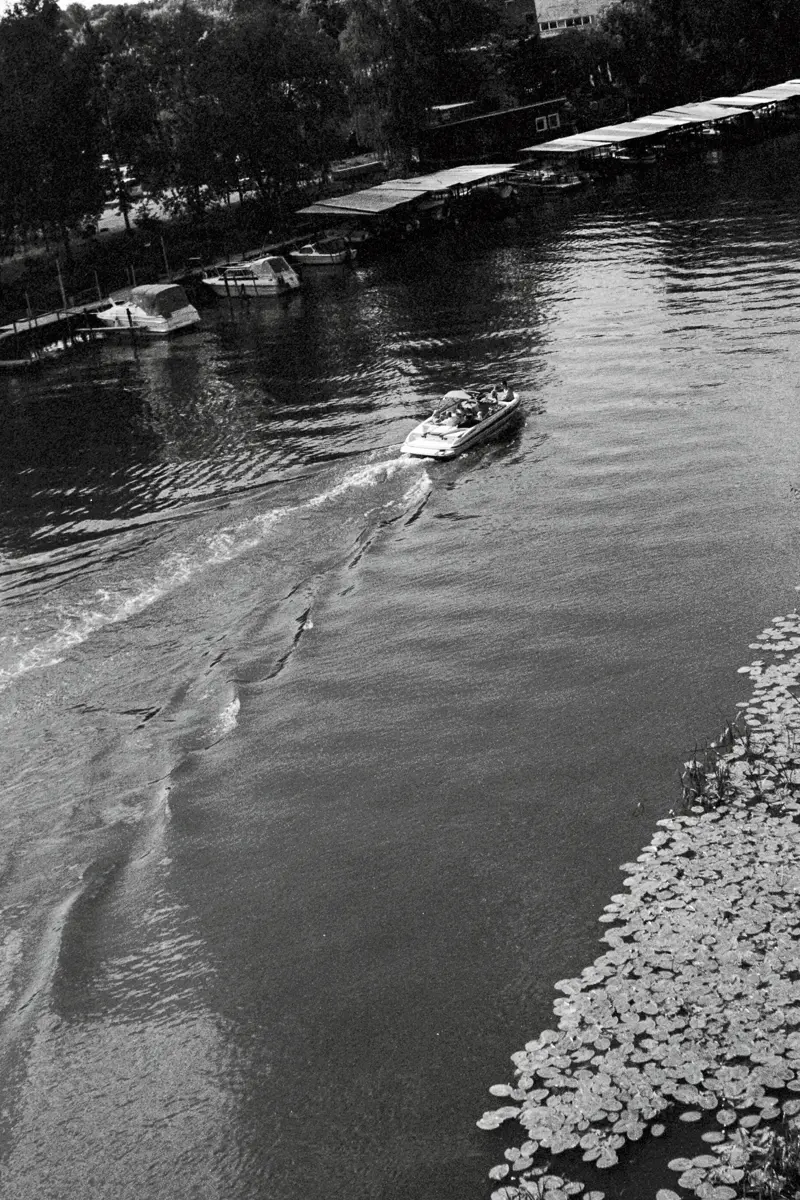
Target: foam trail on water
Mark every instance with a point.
(109, 607)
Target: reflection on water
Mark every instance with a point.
(319, 763)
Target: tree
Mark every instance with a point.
(277, 84)
(49, 133)
(405, 55)
(671, 51)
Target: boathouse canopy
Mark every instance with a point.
(394, 193)
(705, 112)
(371, 202)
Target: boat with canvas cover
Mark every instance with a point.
(463, 419)
(267, 276)
(156, 309)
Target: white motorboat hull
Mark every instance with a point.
(248, 287)
(270, 275)
(123, 318)
(322, 260)
(431, 440)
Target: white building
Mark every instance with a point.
(551, 17)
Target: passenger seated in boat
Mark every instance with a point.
(505, 394)
(448, 418)
(469, 412)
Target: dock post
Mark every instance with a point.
(97, 285)
(133, 275)
(61, 286)
(166, 260)
(37, 350)
(226, 281)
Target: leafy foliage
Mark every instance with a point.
(49, 134)
(672, 51)
(693, 1012)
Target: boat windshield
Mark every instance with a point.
(278, 264)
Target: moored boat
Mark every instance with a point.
(463, 419)
(267, 276)
(155, 309)
(326, 252)
(545, 179)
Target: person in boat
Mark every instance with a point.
(470, 412)
(504, 393)
(448, 419)
(487, 404)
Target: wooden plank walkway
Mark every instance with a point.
(49, 320)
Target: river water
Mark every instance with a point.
(319, 764)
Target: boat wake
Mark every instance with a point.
(60, 624)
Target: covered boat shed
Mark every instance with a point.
(395, 196)
(600, 143)
(705, 115)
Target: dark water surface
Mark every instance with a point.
(319, 764)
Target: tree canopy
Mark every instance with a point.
(195, 96)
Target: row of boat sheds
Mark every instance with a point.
(751, 114)
(742, 115)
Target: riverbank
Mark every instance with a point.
(40, 280)
(686, 1029)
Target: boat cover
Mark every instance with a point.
(159, 299)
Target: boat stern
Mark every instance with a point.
(421, 443)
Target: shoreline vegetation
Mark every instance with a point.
(687, 1029)
(152, 251)
(188, 103)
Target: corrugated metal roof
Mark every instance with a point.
(705, 111)
(369, 203)
(394, 192)
(748, 102)
(440, 181)
(778, 91)
(720, 109)
(571, 144)
(611, 135)
(665, 121)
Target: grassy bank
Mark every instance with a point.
(109, 261)
(687, 1030)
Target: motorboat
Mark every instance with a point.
(633, 158)
(267, 276)
(545, 179)
(462, 420)
(155, 309)
(325, 253)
